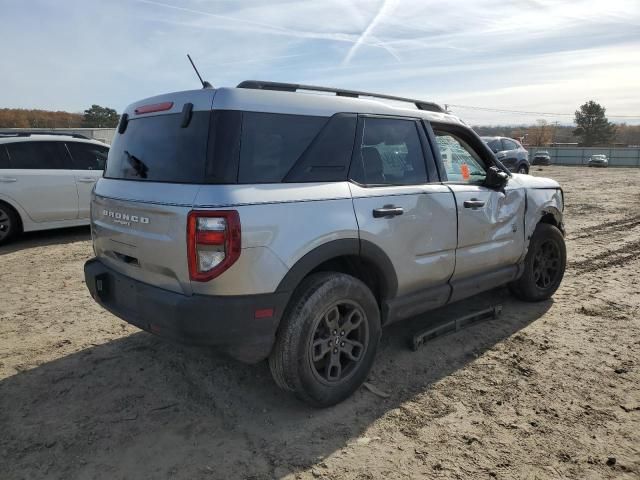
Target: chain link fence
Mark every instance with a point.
(618, 157)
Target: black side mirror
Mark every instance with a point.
(496, 179)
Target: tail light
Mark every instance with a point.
(213, 242)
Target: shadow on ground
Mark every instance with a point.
(140, 407)
(44, 238)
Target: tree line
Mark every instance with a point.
(592, 128)
(93, 117)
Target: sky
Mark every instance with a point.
(527, 55)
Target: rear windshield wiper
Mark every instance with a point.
(138, 165)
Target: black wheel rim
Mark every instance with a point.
(339, 342)
(5, 224)
(546, 264)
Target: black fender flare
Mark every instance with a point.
(364, 249)
(557, 216)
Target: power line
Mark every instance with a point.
(523, 112)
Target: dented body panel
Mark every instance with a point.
(417, 238)
(544, 198)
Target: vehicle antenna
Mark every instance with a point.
(204, 83)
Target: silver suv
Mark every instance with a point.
(510, 153)
(293, 222)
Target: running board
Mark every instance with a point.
(453, 326)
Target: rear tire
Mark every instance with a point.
(544, 265)
(327, 340)
(9, 223)
(523, 169)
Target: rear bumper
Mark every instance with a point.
(227, 322)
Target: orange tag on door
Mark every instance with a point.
(464, 170)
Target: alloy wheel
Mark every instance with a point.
(546, 264)
(339, 342)
(5, 224)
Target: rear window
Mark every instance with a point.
(87, 156)
(228, 147)
(158, 149)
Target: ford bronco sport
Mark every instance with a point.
(293, 222)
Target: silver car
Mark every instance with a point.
(598, 161)
(289, 226)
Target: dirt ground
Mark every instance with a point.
(549, 390)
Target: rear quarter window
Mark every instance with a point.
(88, 156)
(4, 157)
(272, 143)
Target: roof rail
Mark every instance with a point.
(14, 133)
(293, 87)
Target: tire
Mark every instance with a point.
(327, 340)
(544, 265)
(9, 223)
(523, 169)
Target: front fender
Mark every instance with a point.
(542, 202)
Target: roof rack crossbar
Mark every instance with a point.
(13, 133)
(293, 87)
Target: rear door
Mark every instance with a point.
(40, 180)
(88, 164)
(155, 168)
(397, 209)
(490, 222)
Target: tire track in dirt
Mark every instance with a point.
(607, 227)
(610, 258)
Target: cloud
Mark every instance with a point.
(539, 55)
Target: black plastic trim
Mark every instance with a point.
(339, 248)
(225, 322)
(413, 304)
(469, 286)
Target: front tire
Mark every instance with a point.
(544, 265)
(9, 223)
(523, 169)
(327, 340)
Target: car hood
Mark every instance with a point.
(528, 181)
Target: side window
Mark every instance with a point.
(37, 155)
(390, 153)
(461, 162)
(328, 157)
(272, 143)
(495, 145)
(88, 156)
(509, 144)
(4, 158)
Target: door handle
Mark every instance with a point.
(473, 203)
(387, 211)
(86, 179)
(8, 179)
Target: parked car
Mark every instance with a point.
(46, 180)
(598, 161)
(541, 157)
(281, 225)
(510, 153)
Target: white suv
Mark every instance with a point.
(46, 180)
